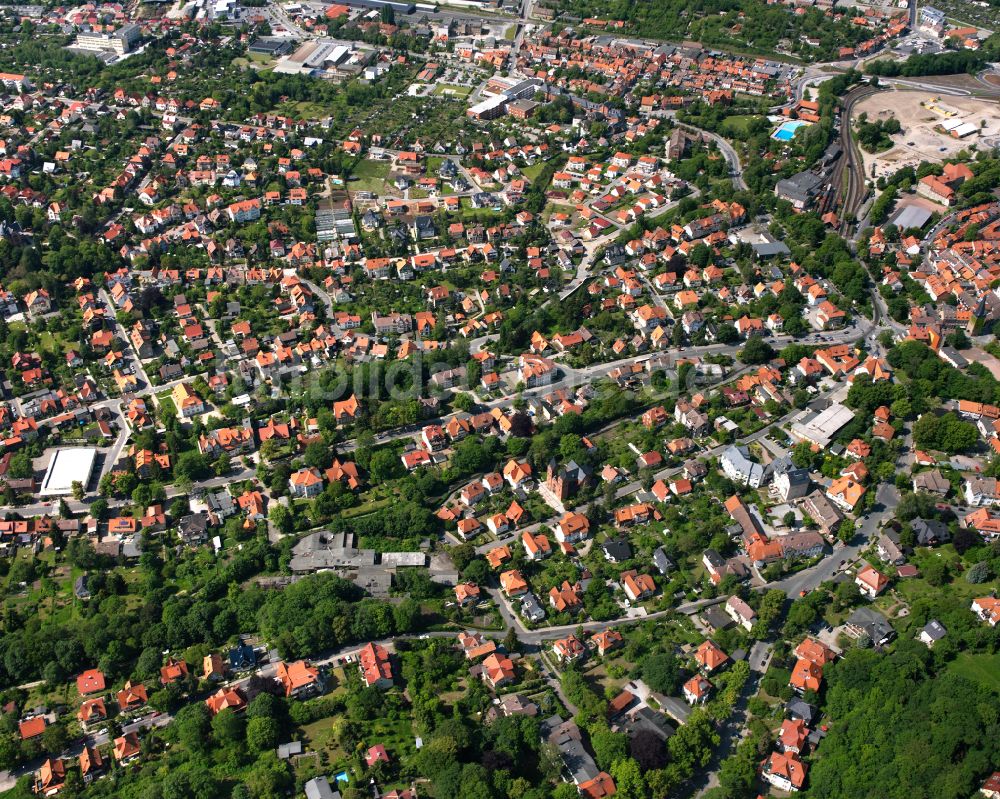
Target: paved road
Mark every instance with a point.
(887, 500)
(41, 508)
(730, 733)
(574, 378)
(731, 156)
(536, 637)
(594, 245)
(320, 293)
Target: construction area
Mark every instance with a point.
(933, 128)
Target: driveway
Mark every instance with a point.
(760, 657)
(677, 710)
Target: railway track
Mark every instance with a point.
(853, 195)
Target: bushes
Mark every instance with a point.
(874, 136)
(946, 433)
(303, 713)
(898, 726)
(940, 64)
(322, 612)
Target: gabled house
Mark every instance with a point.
(127, 748)
(569, 649)
(132, 697)
(870, 581)
(299, 679)
(784, 771)
(697, 690)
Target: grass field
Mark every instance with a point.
(165, 402)
(959, 588)
(451, 90)
(370, 176)
(255, 60)
(51, 343)
(533, 171)
(302, 110)
(737, 124)
(983, 669)
(366, 507)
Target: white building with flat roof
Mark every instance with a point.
(490, 108)
(820, 428)
(120, 42)
(67, 466)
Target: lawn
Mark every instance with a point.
(48, 341)
(302, 110)
(366, 507)
(737, 125)
(983, 669)
(165, 402)
(533, 171)
(959, 588)
(319, 735)
(451, 90)
(255, 60)
(55, 343)
(370, 176)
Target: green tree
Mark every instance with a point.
(846, 530)
(608, 746)
(282, 518)
(20, 465)
(691, 747)
(756, 350)
(978, 573)
(317, 455)
(628, 779)
(228, 727)
(662, 673)
(191, 465)
(262, 734)
(222, 465)
(193, 724)
(385, 465)
(768, 613)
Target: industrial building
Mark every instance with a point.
(378, 5)
(959, 129)
(372, 571)
(224, 10)
(800, 189)
(912, 216)
(932, 20)
(329, 57)
(271, 46)
(490, 108)
(334, 219)
(66, 467)
(820, 428)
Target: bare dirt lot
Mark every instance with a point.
(921, 115)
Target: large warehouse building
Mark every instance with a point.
(66, 467)
(820, 428)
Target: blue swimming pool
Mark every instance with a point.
(341, 777)
(786, 130)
